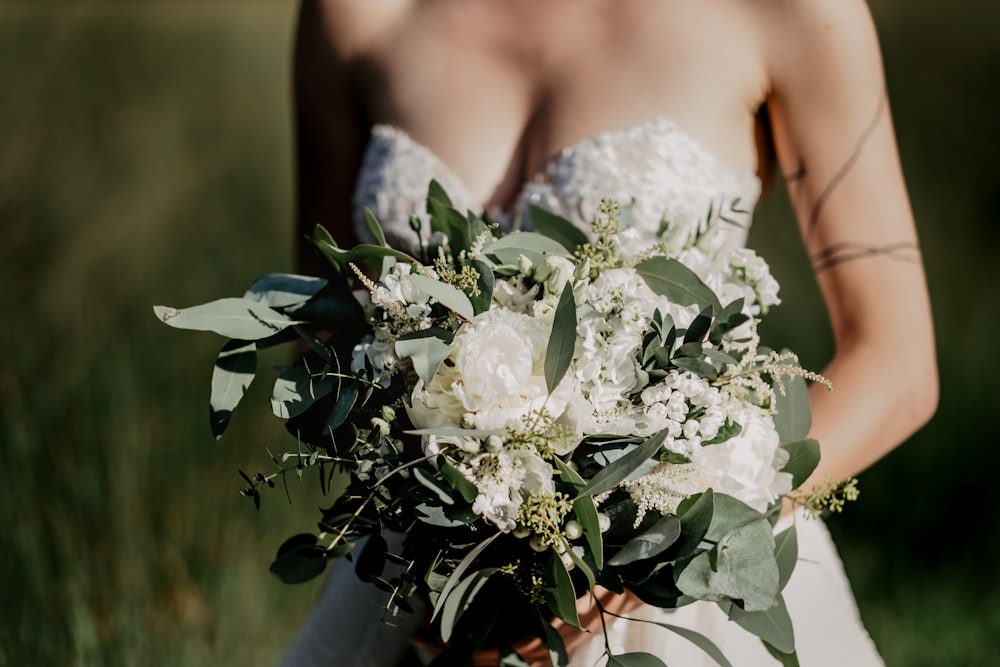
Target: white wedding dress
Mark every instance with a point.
(666, 175)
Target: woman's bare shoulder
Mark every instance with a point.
(352, 27)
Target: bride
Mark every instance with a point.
(674, 104)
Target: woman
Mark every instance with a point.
(672, 102)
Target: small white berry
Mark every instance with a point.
(573, 530)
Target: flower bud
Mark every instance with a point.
(388, 413)
(567, 560)
(524, 265)
(494, 443)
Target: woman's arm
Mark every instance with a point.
(834, 140)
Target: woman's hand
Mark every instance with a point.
(531, 648)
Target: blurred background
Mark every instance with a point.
(145, 158)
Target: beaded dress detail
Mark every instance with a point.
(675, 187)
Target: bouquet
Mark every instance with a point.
(539, 413)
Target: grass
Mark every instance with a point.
(145, 158)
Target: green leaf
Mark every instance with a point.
(458, 481)
(448, 296)
(586, 513)
(557, 228)
(695, 514)
(803, 457)
(699, 326)
(793, 418)
(668, 277)
(371, 560)
(773, 625)
(281, 290)
(296, 390)
(786, 554)
(364, 254)
(485, 283)
(234, 371)
(699, 640)
(554, 643)
(786, 659)
(616, 471)
(562, 340)
(650, 542)
(740, 567)
(559, 592)
(510, 658)
(451, 223)
(456, 576)
(696, 366)
(231, 317)
(299, 559)
(534, 246)
(635, 660)
(375, 228)
(346, 398)
(436, 191)
(438, 486)
(460, 597)
(426, 349)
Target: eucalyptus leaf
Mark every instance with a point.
(426, 352)
(436, 515)
(773, 625)
(376, 229)
(532, 245)
(458, 481)
(555, 645)
(281, 290)
(448, 296)
(296, 389)
(299, 559)
(792, 418)
(233, 372)
(464, 565)
(458, 599)
(610, 476)
(699, 640)
(231, 317)
(668, 277)
(740, 567)
(803, 457)
(786, 554)
(786, 659)
(557, 228)
(438, 486)
(562, 340)
(635, 660)
(559, 592)
(370, 562)
(342, 407)
(651, 542)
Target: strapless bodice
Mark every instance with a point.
(678, 192)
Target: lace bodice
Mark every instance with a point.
(675, 187)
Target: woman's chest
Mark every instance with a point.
(496, 90)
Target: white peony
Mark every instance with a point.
(493, 377)
(747, 465)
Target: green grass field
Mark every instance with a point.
(145, 158)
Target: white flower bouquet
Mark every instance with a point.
(538, 413)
